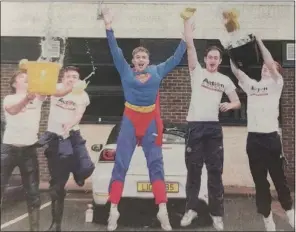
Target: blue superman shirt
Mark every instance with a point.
(137, 92)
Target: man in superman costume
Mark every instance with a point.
(141, 123)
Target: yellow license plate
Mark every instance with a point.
(171, 187)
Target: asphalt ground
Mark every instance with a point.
(136, 215)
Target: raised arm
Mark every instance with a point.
(268, 60)
(191, 51)
(244, 81)
(62, 91)
(239, 74)
(117, 55)
(164, 68)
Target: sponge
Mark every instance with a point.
(187, 13)
(22, 64)
(231, 20)
(79, 87)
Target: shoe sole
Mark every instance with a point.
(185, 225)
(115, 226)
(218, 229)
(113, 229)
(188, 224)
(162, 226)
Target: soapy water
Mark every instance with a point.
(99, 10)
(99, 17)
(53, 49)
(91, 61)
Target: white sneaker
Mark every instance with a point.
(188, 218)
(218, 223)
(269, 223)
(291, 217)
(112, 220)
(163, 217)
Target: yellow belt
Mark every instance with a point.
(141, 109)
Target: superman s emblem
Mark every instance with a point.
(144, 77)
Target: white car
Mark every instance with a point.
(137, 183)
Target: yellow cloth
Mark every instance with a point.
(231, 20)
(187, 13)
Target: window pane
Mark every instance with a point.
(254, 72)
(162, 49)
(77, 50)
(104, 75)
(13, 49)
(238, 116)
(227, 71)
(200, 46)
(104, 107)
(275, 48)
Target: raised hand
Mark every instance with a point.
(187, 13)
(192, 26)
(107, 16)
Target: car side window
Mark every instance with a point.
(172, 139)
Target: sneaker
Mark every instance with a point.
(269, 223)
(112, 220)
(218, 223)
(163, 218)
(188, 217)
(79, 182)
(291, 217)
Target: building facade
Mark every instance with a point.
(158, 27)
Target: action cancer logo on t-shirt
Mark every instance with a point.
(66, 104)
(258, 91)
(212, 85)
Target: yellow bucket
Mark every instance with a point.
(42, 77)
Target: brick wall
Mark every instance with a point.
(175, 97)
(288, 123)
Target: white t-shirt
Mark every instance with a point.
(63, 110)
(22, 128)
(263, 103)
(206, 92)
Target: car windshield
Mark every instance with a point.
(172, 139)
